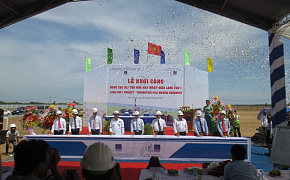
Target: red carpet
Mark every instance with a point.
(129, 170)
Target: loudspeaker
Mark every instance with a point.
(1, 118)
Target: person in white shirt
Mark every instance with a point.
(59, 124)
(180, 125)
(12, 136)
(117, 125)
(95, 123)
(75, 123)
(264, 123)
(223, 125)
(200, 125)
(158, 125)
(264, 120)
(137, 124)
(269, 134)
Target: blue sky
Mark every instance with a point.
(44, 56)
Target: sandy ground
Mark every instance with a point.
(248, 120)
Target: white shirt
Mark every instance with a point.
(196, 125)
(95, 123)
(154, 124)
(12, 136)
(220, 125)
(264, 121)
(140, 125)
(78, 124)
(117, 126)
(55, 125)
(240, 170)
(180, 126)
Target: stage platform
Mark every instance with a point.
(140, 148)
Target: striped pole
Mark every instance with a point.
(277, 76)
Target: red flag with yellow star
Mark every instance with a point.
(154, 49)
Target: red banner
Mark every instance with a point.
(154, 49)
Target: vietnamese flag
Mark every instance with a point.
(154, 49)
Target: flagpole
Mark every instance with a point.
(183, 84)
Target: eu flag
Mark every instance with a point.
(136, 56)
(162, 61)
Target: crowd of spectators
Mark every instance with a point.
(35, 160)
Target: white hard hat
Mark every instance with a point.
(136, 113)
(98, 158)
(74, 111)
(12, 125)
(58, 112)
(158, 113)
(222, 112)
(180, 113)
(95, 110)
(198, 113)
(116, 112)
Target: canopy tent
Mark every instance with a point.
(282, 30)
(263, 14)
(13, 11)
(268, 15)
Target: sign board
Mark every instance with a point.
(146, 87)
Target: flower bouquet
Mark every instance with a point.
(46, 120)
(219, 169)
(68, 113)
(29, 120)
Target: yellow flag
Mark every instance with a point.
(209, 64)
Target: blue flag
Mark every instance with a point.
(162, 61)
(136, 56)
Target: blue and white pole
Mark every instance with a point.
(277, 76)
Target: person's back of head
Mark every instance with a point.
(28, 155)
(98, 163)
(154, 162)
(238, 152)
(269, 117)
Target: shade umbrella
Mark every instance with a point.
(268, 110)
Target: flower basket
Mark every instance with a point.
(186, 109)
(29, 119)
(46, 120)
(68, 114)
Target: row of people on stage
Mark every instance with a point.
(224, 123)
(158, 125)
(59, 124)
